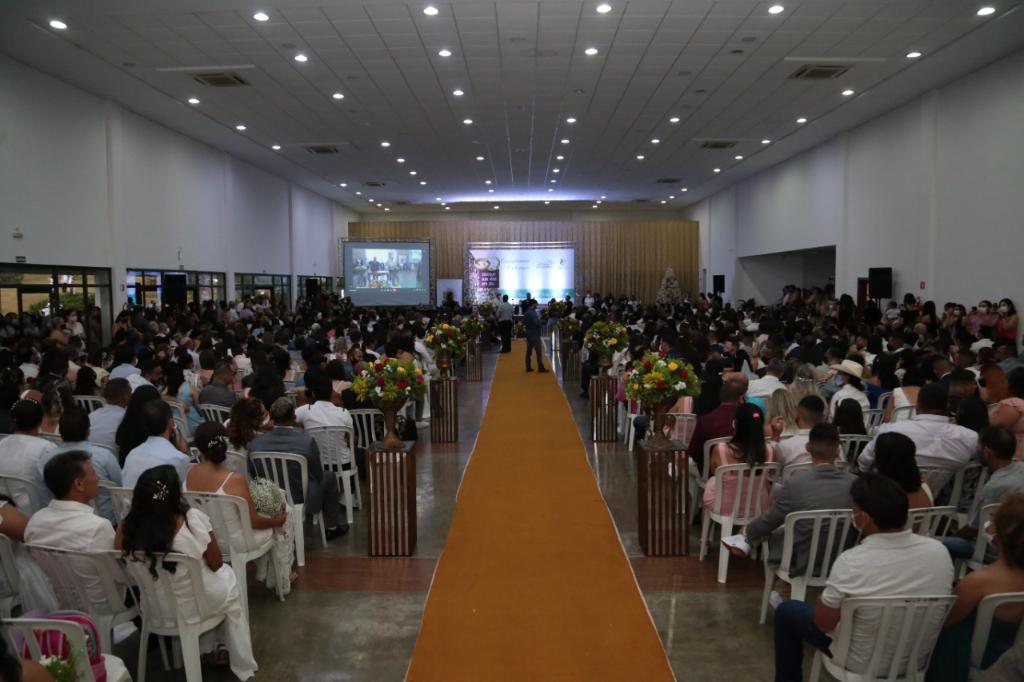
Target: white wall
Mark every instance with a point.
(932, 189)
(90, 183)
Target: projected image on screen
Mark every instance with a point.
(388, 273)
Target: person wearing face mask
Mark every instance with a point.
(981, 317)
(849, 374)
(1006, 322)
(890, 561)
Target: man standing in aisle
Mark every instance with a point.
(533, 342)
(505, 324)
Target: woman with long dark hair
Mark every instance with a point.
(85, 382)
(849, 418)
(160, 521)
(246, 421)
(747, 446)
(133, 431)
(896, 458)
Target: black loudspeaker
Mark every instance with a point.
(718, 284)
(880, 282)
(312, 288)
(175, 291)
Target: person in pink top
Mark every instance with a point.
(747, 446)
(1010, 411)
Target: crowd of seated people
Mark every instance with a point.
(789, 385)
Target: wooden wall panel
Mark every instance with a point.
(615, 257)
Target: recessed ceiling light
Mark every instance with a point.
(603, 196)
(342, 184)
(380, 205)
(437, 198)
(445, 52)
(766, 141)
(430, 11)
(801, 120)
(447, 208)
(556, 170)
(400, 160)
(598, 202)
(718, 170)
(58, 24)
(458, 92)
(604, 8)
(684, 189)
(674, 119)
(554, 182)
(671, 197)
(275, 147)
(986, 11)
(551, 189)
(358, 193)
(776, 9)
(640, 157)
(423, 182)
(663, 201)
(338, 95)
(412, 172)
(738, 157)
(193, 100)
(560, 158)
(370, 200)
(913, 54)
(546, 203)
(467, 121)
(261, 16)
(385, 144)
(487, 182)
(570, 120)
(239, 127)
(301, 58)
(479, 158)
(594, 206)
(387, 209)
(565, 140)
(497, 207)
(590, 51)
(490, 191)
(847, 92)
(655, 141)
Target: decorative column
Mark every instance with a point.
(444, 409)
(474, 361)
(603, 407)
(391, 471)
(663, 498)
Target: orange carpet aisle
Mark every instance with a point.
(533, 583)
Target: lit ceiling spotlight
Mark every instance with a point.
(598, 201)
(458, 92)
(385, 144)
(358, 193)
(556, 170)
(261, 16)
(447, 208)
(479, 158)
(560, 158)
(640, 157)
(986, 11)
(663, 201)
(412, 172)
(387, 209)
(240, 127)
(444, 52)
(671, 197)
(674, 119)
(337, 95)
(370, 200)
(301, 58)
(380, 205)
(766, 141)
(594, 206)
(423, 182)
(738, 157)
(58, 24)
(546, 203)
(275, 147)
(400, 160)
(590, 51)
(603, 196)
(487, 182)
(430, 11)
(604, 8)
(684, 189)
(913, 54)
(551, 189)
(467, 121)
(570, 120)
(490, 191)
(801, 120)
(342, 184)
(193, 100)
(496, 207)
(565, 140)
(437, 198)
(718, 170)
(554, 182)
(776, 9)
(847, 92)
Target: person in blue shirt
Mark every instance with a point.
(533, 343)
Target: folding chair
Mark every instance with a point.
(274, 466)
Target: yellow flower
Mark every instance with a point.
(418, 371)
(444, 326)
(401, 370)
(673, 366)
(429, 339)
(612, 341)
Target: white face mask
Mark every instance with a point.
(859, 527)
(983, 309)
(1004, 309)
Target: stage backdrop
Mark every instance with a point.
(615, 257)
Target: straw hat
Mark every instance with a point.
(850, 367)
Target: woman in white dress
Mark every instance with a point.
(160, 521)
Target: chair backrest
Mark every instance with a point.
(162, 598)
(11, 586)
(336, 445)
(709, 446)
(274, 466)
(751, 491)
(369, 426)
(83, 581)
(229, 516)
(981, 541)
(52, 437)
(793, 469)
(121, 498)
(832, 531)
(883, 401)
(24, 493)
(906, 632)
(905, 412)
(24, 630)
(89, 402)
(873, 418)
(852, 444)
(681, 427)
(934, 475)
(930, 521)
(238, 462)
(967, 483)
(214, 413)
(983, 623)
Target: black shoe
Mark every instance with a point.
(542, 370)
(338, 532)
(529, 369)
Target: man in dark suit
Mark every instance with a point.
(533, 343)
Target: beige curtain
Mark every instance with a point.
(612, 257)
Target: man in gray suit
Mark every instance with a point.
(823, 487)
(322, 493)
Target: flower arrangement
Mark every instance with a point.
(604, 338)
(472, 326)
(569, 326)
(390, 380)
(487, 310)
(60, 669)
(445, 338)
(555, 309)
(654, 379)
(519, 330)
(267, 497)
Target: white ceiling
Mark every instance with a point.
(721, 66)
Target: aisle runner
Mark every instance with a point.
(533, 583)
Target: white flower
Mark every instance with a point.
(378, 391)
(680, 386)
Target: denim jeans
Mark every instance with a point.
(794, 625)
(959, 548)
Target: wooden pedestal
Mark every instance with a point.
(444, 410)
(392, 510)
(474, 361)
(569, 359)
(603, 409)
(663, 496)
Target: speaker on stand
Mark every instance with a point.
(880, 283)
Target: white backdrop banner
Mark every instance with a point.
(543, 271)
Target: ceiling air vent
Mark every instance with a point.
(322, 149)
(717, 144)
(222, 79)
(669, 181)
(818, 72)
(374, 183)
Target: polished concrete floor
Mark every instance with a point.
(352, 617)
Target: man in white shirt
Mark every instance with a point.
(157, 449)
(20, 453)
(124, 362)
(150, 373)
(769, 383)
(938, 443)
(322, 412)
(850, 373)
(889, 562)
(793, 450)
(504, 317)
(104, 422)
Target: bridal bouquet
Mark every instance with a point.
(267, 497)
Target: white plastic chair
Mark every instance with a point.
(981, 541)
(178, 414)
(873, 419)
(369, 426)
(24, 492)
(905, 412)
(792, 470)
(214, 413)
(681, 427)
(161, 614)
(983, 626)
(238, 549)
(237, 462)
(121, 498)
(751, 497)
(337, 453)
(852, 445)
(967, 501)
(908, 628)
(936, 476)
(89, 403)
(699, 479)
(90, 582)
(831, 532)
(25, 630)
(930, 522)
(52, 437)
(632, 412)
(274, 466)
(10, 589)
(883, 401)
